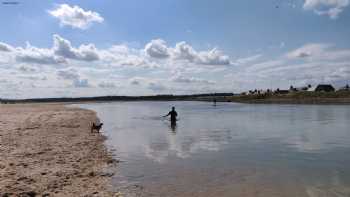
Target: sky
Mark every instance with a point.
(148, 47)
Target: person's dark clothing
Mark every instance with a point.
(173, 115)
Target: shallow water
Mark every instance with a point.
(229, 149)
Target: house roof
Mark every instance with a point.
(324, 87)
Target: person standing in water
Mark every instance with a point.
(173, 115)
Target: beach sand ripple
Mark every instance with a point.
(48, 150)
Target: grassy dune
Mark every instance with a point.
(339, 97)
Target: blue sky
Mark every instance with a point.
(167, 46)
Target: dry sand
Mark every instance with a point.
(48, 150)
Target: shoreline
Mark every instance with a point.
(314, 98)
(315, 101)
(301, 97)
(48, 150)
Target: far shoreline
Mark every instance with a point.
(323, 101)
(309, 98)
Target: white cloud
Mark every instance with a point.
(310, 64)
(74, 77)
(137, 81)
(319, 51)
(184, 51)
(75, 16)
(40, 72)
(107, 84)
(214, 56)
(122, 55)
(179, 78)
(5, 47)
(27, 68)
(33, 77)
(332, 8)
(81, 83)
(157, 49)
(153, 84)
(156, 86)
(307, 50)
(247, 60)
(265, 65)
(68, 74)
(60, 53)
(32, 54)
(63, 48)
(151, 56)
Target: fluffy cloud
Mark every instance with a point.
(68, 74)
(307, 51)
(319, 51)
(63, 48)
(176, 73)
(60, 53)
(183, 51)
(72, 75)
(152, 84)
(5, 47)
(310, 64)
(156, 86)
(107, 84)
(27, 69)
(213, 57)
(32, 54)
(75, 16)
(33, 77)
(157, 49)
(332, 8)
(136, 81)
(81, 83)
(182, 79)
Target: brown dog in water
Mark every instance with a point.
(96, 127)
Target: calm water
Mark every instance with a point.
(229, 149)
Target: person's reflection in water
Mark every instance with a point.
(173, 127)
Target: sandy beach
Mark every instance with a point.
(48, 150)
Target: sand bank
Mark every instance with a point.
(48, 150)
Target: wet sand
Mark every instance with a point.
(48, 150)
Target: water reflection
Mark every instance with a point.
(306, 128)
(296, 148)
(173, 127)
